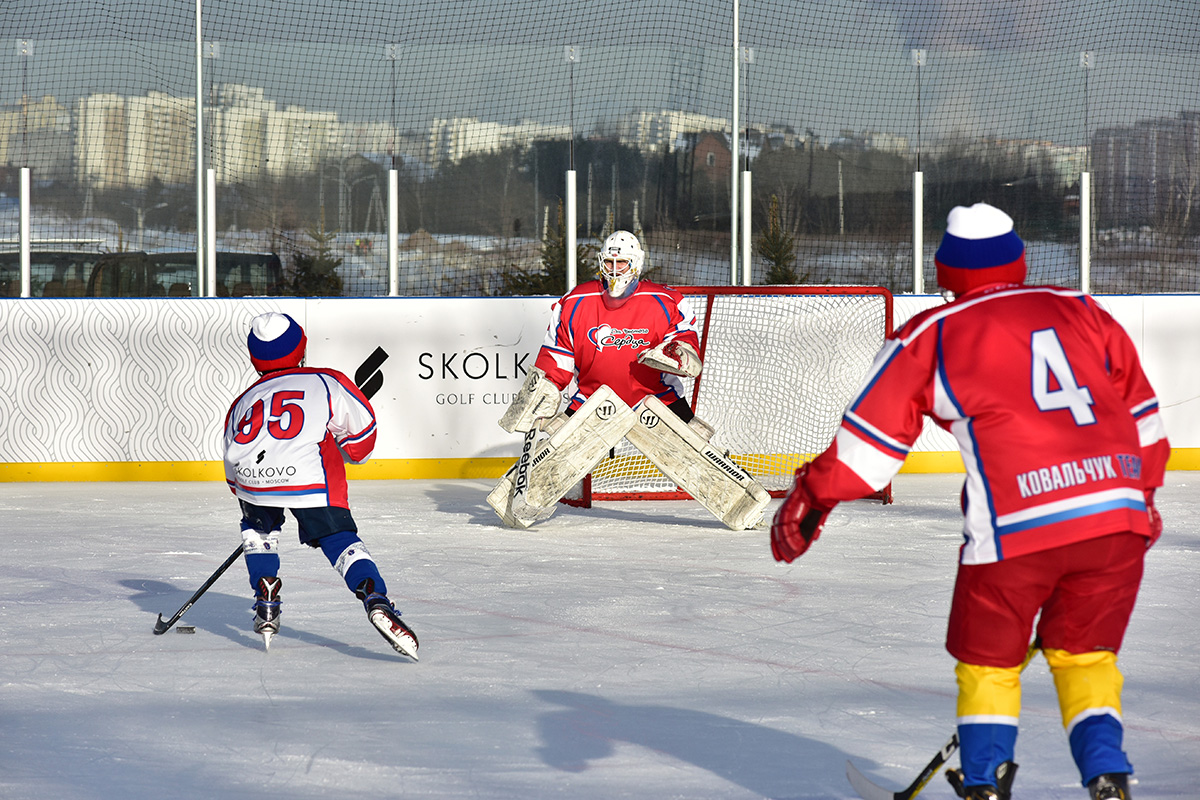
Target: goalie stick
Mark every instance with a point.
(518, 504)
(869, 790)
(162, 626)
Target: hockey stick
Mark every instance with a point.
(521, 479)
(162, 626)
(868, 790)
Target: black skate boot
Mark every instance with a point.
(386, 619)
(266, 609)
(1109, 786)
(1000, 790)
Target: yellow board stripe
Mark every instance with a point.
(1187, 458)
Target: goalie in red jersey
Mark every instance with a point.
(627, 344)
(1063, 446)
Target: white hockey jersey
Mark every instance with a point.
(288, 436)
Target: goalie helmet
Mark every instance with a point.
(620, 249)
(276, 341)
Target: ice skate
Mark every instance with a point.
(1109, 786)
(386, 620)
(266, 609)
(1002, 790)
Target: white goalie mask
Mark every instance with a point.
(621, 259)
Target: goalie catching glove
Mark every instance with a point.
(797, 523)
(677, 358)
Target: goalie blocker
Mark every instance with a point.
(713, 478)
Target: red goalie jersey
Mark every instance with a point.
(598, 345)
(1064, 454)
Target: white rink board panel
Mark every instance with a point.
(151, 380)
(119, 380)
(122, 380)
(453, 366)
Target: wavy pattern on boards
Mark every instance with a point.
(120, 380)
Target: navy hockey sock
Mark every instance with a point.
(350, 557)
(262, 555)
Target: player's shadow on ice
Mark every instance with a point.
(768, 762)
(229, 616)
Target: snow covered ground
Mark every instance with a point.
(633, 650)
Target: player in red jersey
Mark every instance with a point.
(627, 344)
(1063, 446)
(286, 440)
(600, 331)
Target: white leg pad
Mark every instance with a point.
(686, 457)
(556, 464)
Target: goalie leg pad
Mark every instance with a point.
(685, 456)
(558, 463)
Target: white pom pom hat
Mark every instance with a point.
(276, 341)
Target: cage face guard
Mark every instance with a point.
(621, 259)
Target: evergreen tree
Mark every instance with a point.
(778, 248)
(551, 277)
(315, 274)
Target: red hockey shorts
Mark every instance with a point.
(1085, 592)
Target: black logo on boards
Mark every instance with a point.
(368, 377)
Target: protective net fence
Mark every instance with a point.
(481, 108)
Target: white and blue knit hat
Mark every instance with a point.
(980, 247)
(276, 341)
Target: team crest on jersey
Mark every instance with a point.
(603, 336)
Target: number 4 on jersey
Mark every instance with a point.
(1050, 359)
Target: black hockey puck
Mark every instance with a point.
(186, 628)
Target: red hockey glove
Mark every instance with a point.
(1156, 524)
(797, 523)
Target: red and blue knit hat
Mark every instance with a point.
(276, 341)
(980, 247)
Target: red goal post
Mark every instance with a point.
(780, 365)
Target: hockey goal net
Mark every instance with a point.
(781, 363)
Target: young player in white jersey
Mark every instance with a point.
(627, 344)
(286, 440)
(1063, 446)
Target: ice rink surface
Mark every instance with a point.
(633, 650)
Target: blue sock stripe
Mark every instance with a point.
(335, 545)
(1096, 746)
(261, 565)
(983, 747)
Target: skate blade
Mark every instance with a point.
(267, 636)
(404, 645)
